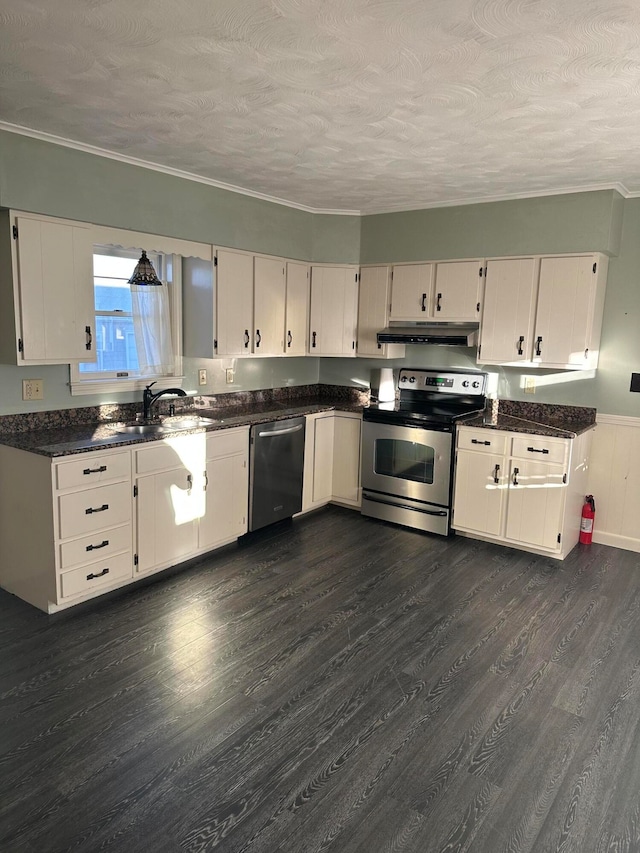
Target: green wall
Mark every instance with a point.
(51, 179)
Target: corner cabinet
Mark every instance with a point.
(334, 310)
(521, 490)
(544, 311)
(332, 460)
(47, 303)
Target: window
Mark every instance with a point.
(116, 365)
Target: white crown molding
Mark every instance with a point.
(167, 170)
(400, 208)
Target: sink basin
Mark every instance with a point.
(143, 429)
(175, 425)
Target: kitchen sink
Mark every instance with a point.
(167, 426)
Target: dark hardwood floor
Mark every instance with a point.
(332, 684)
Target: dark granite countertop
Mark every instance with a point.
(535, 419)
(70, 439)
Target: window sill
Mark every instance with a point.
(116, 386)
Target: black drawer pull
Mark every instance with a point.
(103, 544)
(535, 450)
(475, 441)
(98, 574)
(96, 509)
(99, 470)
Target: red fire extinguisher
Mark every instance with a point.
(586, 522)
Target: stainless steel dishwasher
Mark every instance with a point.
(275, 474)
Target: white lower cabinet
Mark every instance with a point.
(332, 459)
(191, 496)
(525, 491)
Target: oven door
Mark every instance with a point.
(410, 462)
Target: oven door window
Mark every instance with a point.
(406, 460)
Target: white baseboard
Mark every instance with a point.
(617, 541)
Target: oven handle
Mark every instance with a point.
(441, 512)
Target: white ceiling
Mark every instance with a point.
(366, 105)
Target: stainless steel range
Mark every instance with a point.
(407, 447)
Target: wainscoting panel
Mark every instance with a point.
(614, 481)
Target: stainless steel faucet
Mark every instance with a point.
(149, 398)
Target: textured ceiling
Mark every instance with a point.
(339, 104)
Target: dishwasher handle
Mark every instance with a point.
(285, 431)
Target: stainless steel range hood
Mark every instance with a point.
(442, 334)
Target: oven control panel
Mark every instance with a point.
(461, 382)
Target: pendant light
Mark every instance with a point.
(144, 272)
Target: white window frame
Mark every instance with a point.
(81, 384)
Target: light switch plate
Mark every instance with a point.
(229, 373)
(529, 385)
(202, 376)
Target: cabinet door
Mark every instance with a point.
(507, 319)
(55, 275)
(457, 291)
(346, 458)
(373, 313)
(565, 311)
(334, 307)
(297, 309)
(535, 503)
(168, 507)
(268, 306)
(480, 489)
(234, 288)
(226, 490)
(411, 291)
(323, 441)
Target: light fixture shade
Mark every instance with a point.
(144, 272)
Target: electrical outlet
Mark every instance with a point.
(229, 374)
(529, 385)
(32, 389)
(202, 376)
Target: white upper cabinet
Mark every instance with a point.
(334, 307)
(411, 291)
(297, 308)
(234, 289)
(506, 334)
(269, 306)
(47, 317)
(373, 313)
(544, 312)
(569, 314)
(457, 295)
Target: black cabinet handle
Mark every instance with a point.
(246, 338)
(535, 450)
(496, 471)
(423, 302)
(438, 306)
(520, 342)
(475, 441)
(91, 510)
(313, 339)
(95, 470)
(289, 338)
(516, 471)
(89, 343)
(98, 574)
(103, 544)
(538, 346)
(258, 338)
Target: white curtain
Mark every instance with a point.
(152, 329)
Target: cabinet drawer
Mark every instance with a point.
(91, 469)
(227, 443)
(540, 448)
(485, 440)
(100, 545)
(94, 509)
(104, 573)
